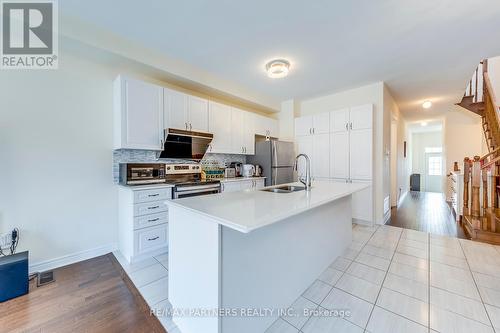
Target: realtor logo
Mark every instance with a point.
(29, 35)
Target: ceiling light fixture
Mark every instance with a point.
(423, 124)
(278, 68)
(427, 104)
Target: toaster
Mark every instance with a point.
(230, 173)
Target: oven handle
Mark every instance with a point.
(177, 194)
(195, 188)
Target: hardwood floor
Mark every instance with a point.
(426, 211)
(89, 296)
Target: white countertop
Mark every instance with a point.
(239, 179)
(249, 210)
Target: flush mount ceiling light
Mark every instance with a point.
(427, 104)
(423, 124)
(278, 68)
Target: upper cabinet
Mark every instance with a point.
(220, 126)
(186, 112)
(143, 110)
(138, 115)
(266, 126)
(309, 125)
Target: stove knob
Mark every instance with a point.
(168, 168)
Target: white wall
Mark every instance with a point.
(56, 157)
(370, 94)
(494, 73)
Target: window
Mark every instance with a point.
(435, 165)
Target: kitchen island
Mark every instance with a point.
(236, 258)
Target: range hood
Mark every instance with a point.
(186, 145)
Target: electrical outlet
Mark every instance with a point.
(5, 240)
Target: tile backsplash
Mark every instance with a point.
(151, 156)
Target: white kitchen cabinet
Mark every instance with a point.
(138, 115)
(339, 155)
(175, 109)
(339, 120)
(197, 114)
(220, 126)
(303, 125)
(321, 123)
(266, 126)
(361, 154)
(361, 117)
(185, 112)
(320, 155)
(242, 184)
(142, 222)
(249, 133)
(362, 204)
(237, 128)
(305, 146)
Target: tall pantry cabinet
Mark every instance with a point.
(340, 146)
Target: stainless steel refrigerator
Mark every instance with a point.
(277, 159)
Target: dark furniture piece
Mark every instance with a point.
(415, 182)
(13, 276)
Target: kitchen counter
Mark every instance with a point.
(253, 250)
(246, 211)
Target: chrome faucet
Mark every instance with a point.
(306, 181)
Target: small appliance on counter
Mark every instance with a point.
(230, 173)
(141, 173)
(237, 167)
(258, 171)
(248, 170)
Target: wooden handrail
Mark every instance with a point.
(490, 163)
(489, 154)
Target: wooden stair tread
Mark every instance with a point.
(490, 223)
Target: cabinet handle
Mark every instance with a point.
(154, 238)
(154, 207)
(314, 130)
(222, 187)
(154, 220)
(346, 126)
(350, 126)
(186, 125)
(190, 126)
(153, 195)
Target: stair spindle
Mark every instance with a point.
(476, 187)
(467, 163)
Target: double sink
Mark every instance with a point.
(285, 189)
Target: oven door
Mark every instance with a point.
(196, 190)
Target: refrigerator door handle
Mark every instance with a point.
(274, 153)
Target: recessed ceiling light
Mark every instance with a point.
(427, 104)
(277, 68)
(423, 124)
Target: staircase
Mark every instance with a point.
(481, 211)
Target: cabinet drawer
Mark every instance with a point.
(150, 220)
(150, 238)
(152, 195)
(150, 208)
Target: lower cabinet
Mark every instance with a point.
(143, 222)
(242, 185)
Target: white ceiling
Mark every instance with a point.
(424, 49)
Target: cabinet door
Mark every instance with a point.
(237, 131)
(246, 185)
(231, 186)
(321, 157)
(321, 123)
(259, 183)
(339, 155)
(198, 114)
(362, 204)
(304, 146)
(303, 125)
(362, 117)
(273, 128)
(361, 154)
(142, 115)
(249, 133)
(175, 109)
(339, 120)
(220, 126)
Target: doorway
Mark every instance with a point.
(433, 177)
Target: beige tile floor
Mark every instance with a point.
(399, 280)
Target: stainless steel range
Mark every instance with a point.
(187, 181)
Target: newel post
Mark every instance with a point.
(466, 186)
(476, 187)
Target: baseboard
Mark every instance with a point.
(362, 222)
(72, 258)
